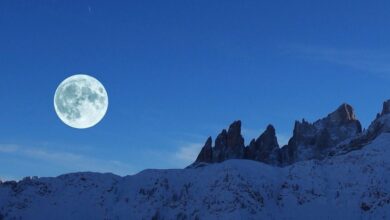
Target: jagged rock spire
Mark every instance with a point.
(265, 147)
(229, 144)
(206, 154)
(234, 137)
(386, 107)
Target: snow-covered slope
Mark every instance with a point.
(351, 186)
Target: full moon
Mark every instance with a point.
(81, 101)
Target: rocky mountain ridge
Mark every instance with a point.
(338, 132)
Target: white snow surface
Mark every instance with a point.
(351, 186)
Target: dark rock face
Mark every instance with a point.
(328, 136)
(344, 113)
(206, 154)
(320, 139)
(229, 144)
(265, 148)
(235, 141)
(386, 108)
(380, 125)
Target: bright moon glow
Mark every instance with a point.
(81, 101)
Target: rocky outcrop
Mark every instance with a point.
(229, 144)
(265, 148)
(337, 133)
(344, 113)
(321, 138)
(206, 154)
(380, 125)
(386, 108)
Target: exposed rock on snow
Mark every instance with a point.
(321, 138)
(206, 154)
(309, 141)
(380, 125)
(265, 148)
(386, 108)
(230, 144)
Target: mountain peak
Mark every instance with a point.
(235, 128)
(386, 107)
(265, 147)
(270, 130)
(343, 113)
(206, 154)
(234, 137)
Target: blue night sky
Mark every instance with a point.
(179, 71)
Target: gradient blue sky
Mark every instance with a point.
(179, 71)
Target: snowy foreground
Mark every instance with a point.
(351, 186)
